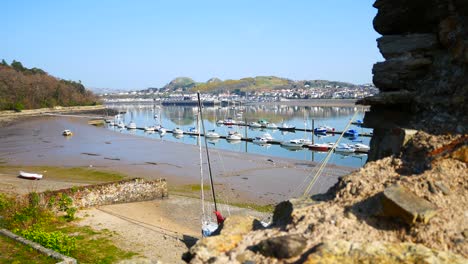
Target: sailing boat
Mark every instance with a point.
(208, 225)
(177, 130)
(132, 124)
(149, 128)
(211, 134)
(296, 144)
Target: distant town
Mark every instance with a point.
(181, 95)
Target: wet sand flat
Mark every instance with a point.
(239, 177)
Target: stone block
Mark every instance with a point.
(403, 16)
(388, 98)
(394, 45)
(400, 202)
(394, 74)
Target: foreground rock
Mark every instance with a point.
(400, 202)
(379, 252)
(351, 211)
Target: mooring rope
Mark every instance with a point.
(325, 161)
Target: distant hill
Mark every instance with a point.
(180, 83)
(216, 85)
(23, 88)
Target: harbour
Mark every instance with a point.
(224, 121)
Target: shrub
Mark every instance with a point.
(65, 204)
(56, 240)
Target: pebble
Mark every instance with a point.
(445, 190)
(431, 186)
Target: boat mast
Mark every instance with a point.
(207, 152)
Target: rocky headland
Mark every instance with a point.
(409, 203)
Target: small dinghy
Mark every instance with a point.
(67, 132)
(30, 176)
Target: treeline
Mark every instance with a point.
(23, 88)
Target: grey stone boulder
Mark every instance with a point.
(400, 202)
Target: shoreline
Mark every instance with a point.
(240, 177)
(314, 102)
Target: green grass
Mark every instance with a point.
(95, 246)
(78, 174)
(257, 207)
(91, 246)
(12, 251)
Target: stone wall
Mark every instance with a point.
(125, 191)
(424, 78)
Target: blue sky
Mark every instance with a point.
(146, 43)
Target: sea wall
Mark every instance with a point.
(423, 81)
(134, 190)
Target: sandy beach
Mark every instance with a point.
(166, 227)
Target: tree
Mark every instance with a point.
(4, 62)
(17, 66)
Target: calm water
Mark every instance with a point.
(299, 116)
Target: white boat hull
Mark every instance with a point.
(31, 176)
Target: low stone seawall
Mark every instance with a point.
(133, 190)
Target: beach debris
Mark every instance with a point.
(162, 163)
(90, 154)
(111, 158)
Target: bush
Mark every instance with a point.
(5, 202)
(57, 240)
(65, 204)
(18, 107)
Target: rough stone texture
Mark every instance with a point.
(400, 202)
(404, 16)
(394, 45)
(379, 252)
(282, 247)
(126, 191)
(347, 212)
(424, 79)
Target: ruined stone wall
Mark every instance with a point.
(126, 191)
(424, 78)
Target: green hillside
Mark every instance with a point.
(259, 83)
